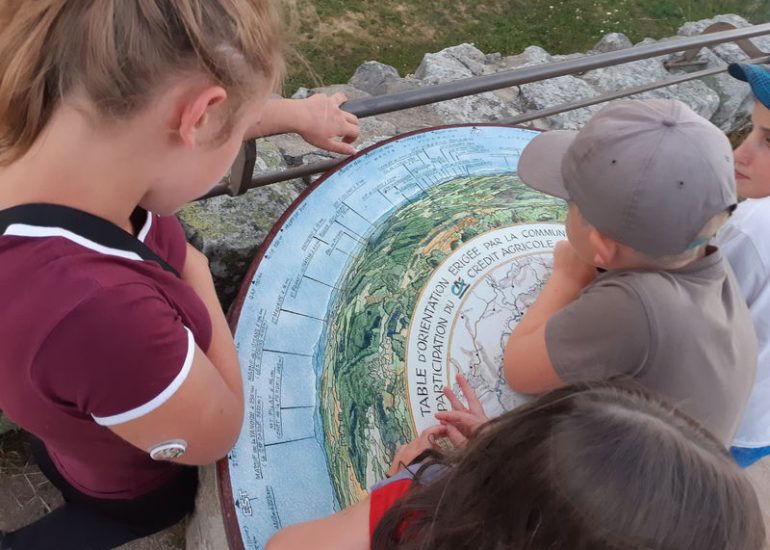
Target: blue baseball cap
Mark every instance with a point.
(758, 78)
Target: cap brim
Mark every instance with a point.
(540, 162)
(758, 78)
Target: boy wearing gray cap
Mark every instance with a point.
(648, 184)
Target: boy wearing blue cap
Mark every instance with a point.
(745, 243)
(648, 183)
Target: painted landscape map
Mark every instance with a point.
(411, 262)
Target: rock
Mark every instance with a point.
(292, 147)
(533, 55)
(612, 42)
(556, 91)
(735, 99)
(484, 107)
(702, 99)
(415, 118)
(301, 93)
(374, 130)
(735, 102)
(552, 92)
(372, 77)
(228, 230)
(453, 63)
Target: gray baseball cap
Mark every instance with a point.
(648, 174)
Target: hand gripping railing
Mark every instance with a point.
(241, 180)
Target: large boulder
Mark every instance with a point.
(372, 77)
(453, 63)
(702, 99)
(483, 107)
(553, 92)
(612, 42)
(735, 99)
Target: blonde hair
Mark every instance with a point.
(118, 52)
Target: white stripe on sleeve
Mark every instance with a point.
(161, 398)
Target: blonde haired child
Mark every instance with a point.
(114, 352)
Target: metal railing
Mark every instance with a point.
(241, 179)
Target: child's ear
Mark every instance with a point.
(196, 113)
(605, 249)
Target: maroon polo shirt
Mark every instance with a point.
(92, 335)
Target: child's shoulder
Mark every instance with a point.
(751, 214)
(660, 289)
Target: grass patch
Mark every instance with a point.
(333, 37)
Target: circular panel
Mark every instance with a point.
(409, 263)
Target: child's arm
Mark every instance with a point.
(318, 119)
(207, 409)
(526, 364)
(345, 530)
(349, 529)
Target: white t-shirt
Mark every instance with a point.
(745, 242)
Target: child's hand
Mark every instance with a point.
(407, 453)
(461, 422)
(567, 263)
(322, 121)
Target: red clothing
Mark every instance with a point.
(383, 498)
(92, 336)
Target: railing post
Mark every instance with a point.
(243, 169)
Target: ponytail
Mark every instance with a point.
(118, 52)
(28, 93)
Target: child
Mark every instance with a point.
(648, 184)
(745, 243)
(585, 467)
(114, 352)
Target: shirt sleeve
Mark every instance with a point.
(604, 333)
(117, 356)
(382, 499)
(746, 262)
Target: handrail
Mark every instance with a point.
(241, 178)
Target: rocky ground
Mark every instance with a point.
(25, 495)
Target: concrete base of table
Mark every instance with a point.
(206, 530)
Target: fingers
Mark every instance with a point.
(351, 132)
(430, 435)
(455, 436)
(453, 399)
(462, 419)
(408, 452)
(341, 147)
(473, 401)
